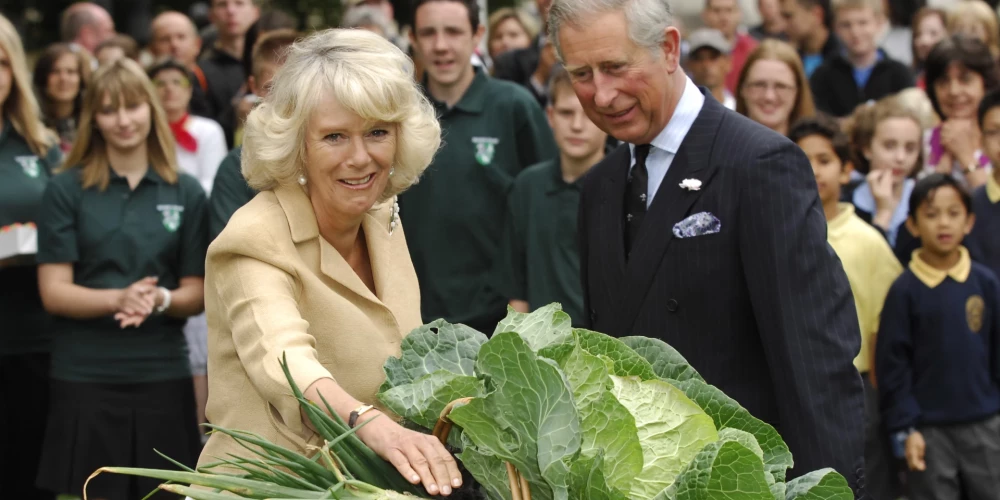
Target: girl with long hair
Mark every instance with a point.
(121, 249)
(28, 155)
(60, 78)
(772, 88)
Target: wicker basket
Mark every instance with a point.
(519, 488)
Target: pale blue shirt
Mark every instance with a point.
(665, 146)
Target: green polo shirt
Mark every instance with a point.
(114, 238)
(229, 192)
(23, 175)
(454, 215)
(540, 257)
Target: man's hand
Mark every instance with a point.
(915, 449)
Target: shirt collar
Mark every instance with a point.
(671, 137)
(474, 98)
(933, 277)
(838, 223)
(150, 176)
(993, 189)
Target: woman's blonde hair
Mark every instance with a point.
(367, 75)
(776, 50)
(126, 84)
(527, 22)
(20, 107)
(862, 124)
(977, 11)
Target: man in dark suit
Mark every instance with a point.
(705, 230)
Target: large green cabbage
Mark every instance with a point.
(584, 415)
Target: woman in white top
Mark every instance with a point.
(201, 147)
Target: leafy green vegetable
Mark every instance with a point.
(727, 413)
(671, 428)
(435, 346)
(724, 470)
(583, 415)
(665, 360)
(421, 402)
(528, 419)
(542, 328)
(608, 427)
(823, 484)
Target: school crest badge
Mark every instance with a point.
(974, 309)
(485, 149)
(30, 165)
(171, 216)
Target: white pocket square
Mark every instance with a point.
(699, 224)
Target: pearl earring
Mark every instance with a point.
(392, 171)
(394, 214)
(302, 179)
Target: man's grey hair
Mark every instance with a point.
(366, 15)
(647, 20)
(74, 19)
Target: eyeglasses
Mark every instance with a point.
(182, 83)
(759, 88)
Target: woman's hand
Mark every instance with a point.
(420, 458)
(915, 449)
(961, 138)
(136, 302)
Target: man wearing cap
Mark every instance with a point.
(709, 62)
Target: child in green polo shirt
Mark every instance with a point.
(539, 260)
(871, 268)
(122, 238)
(938, 353)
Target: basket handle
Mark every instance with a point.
(519, 488)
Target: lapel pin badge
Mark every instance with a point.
(691, 184)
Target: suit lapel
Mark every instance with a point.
(612, 214)
(670, 205)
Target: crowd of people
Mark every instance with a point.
(132, 160)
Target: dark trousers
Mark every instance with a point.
(960, 458)
(881, 467)
(24, 407)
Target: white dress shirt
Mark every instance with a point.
(665, 145)
(212, 149)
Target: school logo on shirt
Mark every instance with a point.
(974, 308)
(485, 148)
(30, 165)
(171, 216)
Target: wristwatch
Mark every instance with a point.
(361, 410)
(166, 301)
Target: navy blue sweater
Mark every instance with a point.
(984, 242)
(933, 367)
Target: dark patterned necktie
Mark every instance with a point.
(635, 197)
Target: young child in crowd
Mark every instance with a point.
(539, 258)
(937, 354)
(887, 142)
(984, 241)
(863, 72)
(871, 268)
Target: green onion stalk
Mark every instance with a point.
(343, 468)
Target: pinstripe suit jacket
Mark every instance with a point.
(762, 309)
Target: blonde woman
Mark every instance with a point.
(316, 267)
(28, 154)
(121, 251)
(510, 29)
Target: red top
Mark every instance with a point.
(742, 48)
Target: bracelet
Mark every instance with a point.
(166, 301)
(361, 410)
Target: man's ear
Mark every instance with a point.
(971, 223)
(252, 85)
(672, 48)
(549, 113)
(477, 37)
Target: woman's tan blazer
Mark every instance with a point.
(273, 286)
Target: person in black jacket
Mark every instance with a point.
(862, 71)
(529, 67)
